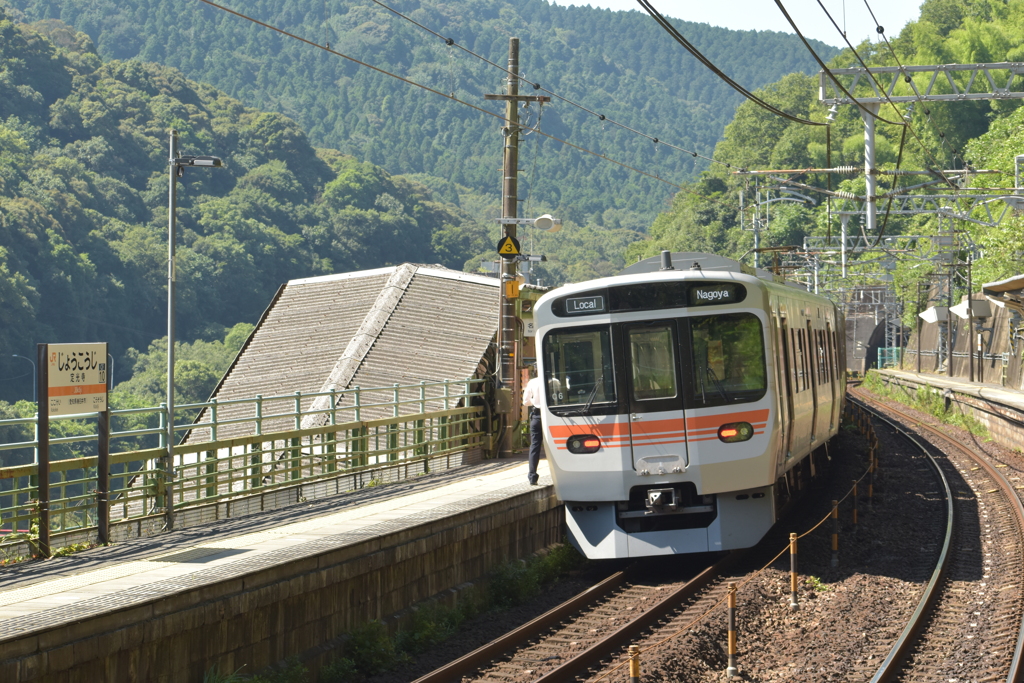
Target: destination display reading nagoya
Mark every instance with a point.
(77, 378)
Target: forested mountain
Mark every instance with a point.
(618, 64)
(940, 135)
(83, 205)
(401, 174)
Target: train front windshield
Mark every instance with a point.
(579, 368)
(724, 354)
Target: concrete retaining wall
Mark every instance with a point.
(291, 610)
(1005, 423)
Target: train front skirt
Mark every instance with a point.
(742, 519)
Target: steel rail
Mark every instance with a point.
(597, 652)
(469, 663)
(1014, 673)
(602, 649)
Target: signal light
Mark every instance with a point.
(735, 431)
(583, 443)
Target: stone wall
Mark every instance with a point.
(259, 618)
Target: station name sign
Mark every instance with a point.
(76, 378)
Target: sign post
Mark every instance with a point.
(72, 381)
(43, 466)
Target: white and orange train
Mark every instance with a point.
(686, 399)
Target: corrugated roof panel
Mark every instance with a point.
(296, 346)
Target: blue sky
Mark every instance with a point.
(764, 15)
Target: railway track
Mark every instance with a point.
(968, 624)
(578, 635)
(965, 623)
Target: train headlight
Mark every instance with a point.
(583, 443)
(735, 431)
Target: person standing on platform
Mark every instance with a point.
(533, 399)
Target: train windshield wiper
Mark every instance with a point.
(718, 384)
(585, 410)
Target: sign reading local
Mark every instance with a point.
(76, 378)
(584, 305)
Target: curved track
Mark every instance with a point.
(964, 616)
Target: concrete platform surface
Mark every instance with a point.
(990, 392)
(34, 596)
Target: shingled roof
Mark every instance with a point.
(373, 328)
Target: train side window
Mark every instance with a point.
(728, 359)
(653, 360)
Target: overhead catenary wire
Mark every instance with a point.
(679, 38)
(882, 90)
(452, 98)
(881, 32)
(953, 186)
(537, 86)
(904, 124)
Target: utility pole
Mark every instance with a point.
(507, 361)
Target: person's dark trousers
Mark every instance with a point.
(536, 443)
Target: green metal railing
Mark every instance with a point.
(356, 432)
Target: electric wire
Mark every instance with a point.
(882, 90)
(824, 67)
(904, 124)
(537, 86)
(453, 98)
(942, 136)
(679, 38)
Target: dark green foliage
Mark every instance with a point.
(83, 210)
(705, 216)
(617, 63)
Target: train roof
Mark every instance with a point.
(695, 260)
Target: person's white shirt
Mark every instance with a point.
(533, 394)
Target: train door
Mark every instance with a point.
(833, 378)
(813, 372)
(786, 387)
(656, 417)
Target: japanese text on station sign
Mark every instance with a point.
(76, 378)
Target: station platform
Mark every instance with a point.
(251, 592)
(988, 391)
(999, 408)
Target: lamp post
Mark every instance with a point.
(177, 170)
(35, 378)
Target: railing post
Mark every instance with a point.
(420, 434)
(793, 577)
(161, 478)
(393, 427)
(296, 442)
(634, 664)
(211, 457)
(731, 670)
(211, 474)
(330, 460)
(835, 533)
(103, 477)
(361, 444)
(213, 419)
(256, 449)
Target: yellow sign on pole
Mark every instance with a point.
(511, 289)
(508, 247)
